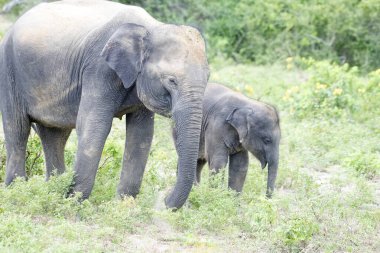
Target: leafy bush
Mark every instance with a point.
(35, 197)
(258, 215)
(364, 164)
(297, 231)
(332, 90)
(34, 164)
(211, 206)
(369, 100)
(265, 31)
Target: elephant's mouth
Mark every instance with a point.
(158, 101)
(164, 108)
(167, 114)
(263, 163)
(160, 106)
(260, 155)
(159, 110)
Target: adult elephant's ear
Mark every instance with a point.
(238, 118)
(124, 52)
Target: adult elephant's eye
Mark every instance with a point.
(267, 140)
(169, 80)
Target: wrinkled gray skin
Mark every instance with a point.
(79, 64)
(232, 126)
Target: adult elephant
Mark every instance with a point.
(77, 64)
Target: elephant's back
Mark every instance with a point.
(216, 96)
(217, 92)
(46, 50)
(222, 97)
(57, 22)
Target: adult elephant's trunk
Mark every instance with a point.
(272, 160)
(187, 116)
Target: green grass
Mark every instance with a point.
(326, 200)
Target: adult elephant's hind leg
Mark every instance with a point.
(16, 131)
(53, 142)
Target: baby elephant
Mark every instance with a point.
(232, 126)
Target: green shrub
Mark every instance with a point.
(364, 164)
(369, 98)
(258, 215)
(297, 231)
(108, 173)
(214, 208)
(330, 91)
(34, 164)
(122, 215)
(37, 197)
(265, 31)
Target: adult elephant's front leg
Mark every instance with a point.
(139, 128)
(93, 126)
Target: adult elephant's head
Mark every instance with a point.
(169, 66)
(259, 132)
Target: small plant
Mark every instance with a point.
(210, 206)
(258, 215)
(296, 232)
(34, 164)
(364, 164)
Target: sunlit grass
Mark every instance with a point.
(326, 197)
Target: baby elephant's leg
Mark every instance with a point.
(238, 170)
(217, 162)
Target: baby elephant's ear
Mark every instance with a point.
(124, 52)
(238, 119)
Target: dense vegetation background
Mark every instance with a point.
(319, 63)
(267, 31)
(346, 31)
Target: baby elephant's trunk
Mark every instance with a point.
(272, 172)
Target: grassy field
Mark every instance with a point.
(328, 189)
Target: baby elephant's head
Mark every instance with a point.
(258, 127)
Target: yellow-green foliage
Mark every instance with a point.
(332, 90)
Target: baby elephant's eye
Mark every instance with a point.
(169, 79)
(267, 140)
(172, 80)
